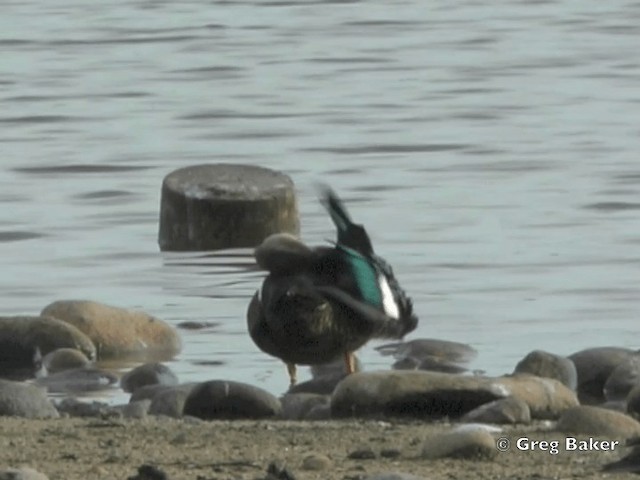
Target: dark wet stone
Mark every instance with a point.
(133, 410)
(362, 454)
(337, 368)
(508, 410)
(22, 473)
(170, 400)
(412, 393)
(431, 348)
(22, 337)
(199, 201)
(407, 363)
(297, 406)
(319, 412)
(78, 380)
(165, 400)
(117, 331)
(549, 365)
(390, 453)
(547, 398)
(589, 420)
(149, 472)
(460, 443)
(622, 380)
(278, 471)
(63, 359)
(148, 374)
(147, 392)
(633, 402)
(76, 408)
(594, 366)
(230, 400)
(23, 400)
(431, 364)
(323, 385)
(628, 463)
(616, 405)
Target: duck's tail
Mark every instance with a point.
(349, 234)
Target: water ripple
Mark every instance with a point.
(16, 236)
(79, 168)
(613, 206)
(40, 119)
(368, 149)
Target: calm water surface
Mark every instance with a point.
(491, 148)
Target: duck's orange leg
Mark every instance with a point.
(291, 369)
(350, 362)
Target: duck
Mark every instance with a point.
(318, 304)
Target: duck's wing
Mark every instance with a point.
(371, 280)
(379, 323)
(259, 330)
(373, 277)
(350, 234)
(400, 298)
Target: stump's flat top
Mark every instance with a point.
(227, 181)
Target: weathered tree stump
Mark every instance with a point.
(217, 206)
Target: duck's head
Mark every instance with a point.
(283, 253)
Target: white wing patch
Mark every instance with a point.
(388, 301)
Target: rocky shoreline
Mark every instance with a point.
(427, 418)
(389, 449)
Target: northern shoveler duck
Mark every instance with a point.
(319, 303)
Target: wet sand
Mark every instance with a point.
(75, 448)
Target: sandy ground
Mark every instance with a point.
(72, 449)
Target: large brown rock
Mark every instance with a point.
(547, 398)
(118, 332)
(412, 393)
(594, 366)
(589, 420)
(623, 379)
(549, 365)
(22, 337)
(216, 206)
(23, 400)
(508, 410)
(633, 402)
(470, 443)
